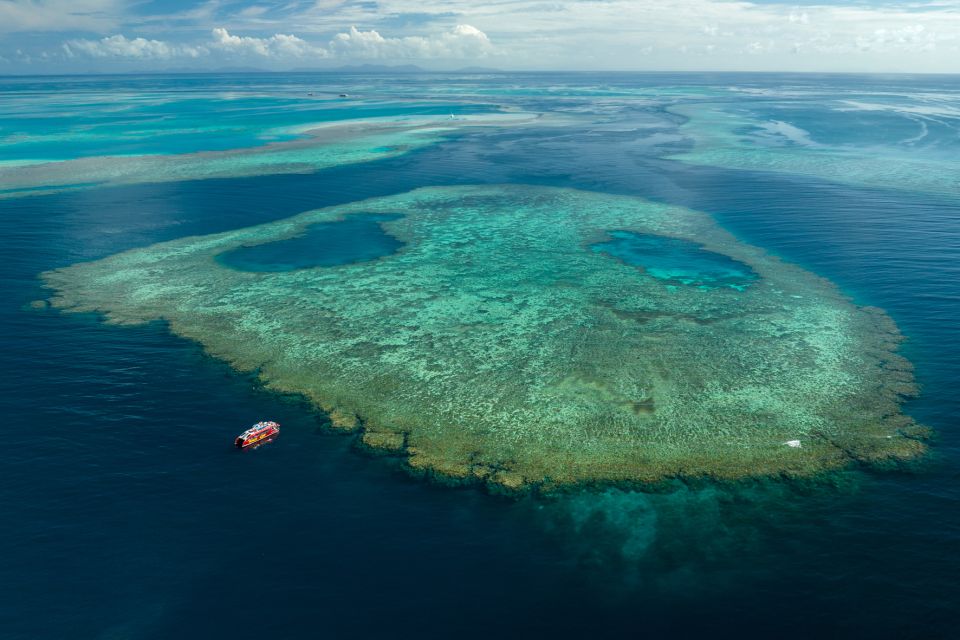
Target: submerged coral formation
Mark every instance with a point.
(323, 147)
(497, 344)
(719, 140)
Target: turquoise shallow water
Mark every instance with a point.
(677, 262)
(43, 119)
(128, 514)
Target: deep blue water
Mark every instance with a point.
(127, 513)
(677, 262)
(357, 238)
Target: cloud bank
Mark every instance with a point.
(462, 42)
(119, 46)
(279, 45)
(867, 35)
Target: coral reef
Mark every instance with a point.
(498, 345)
(327, 146)
(717, 131)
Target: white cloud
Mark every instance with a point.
(276, 46)
(799, 17)
(223, 44)
(620, 33)
(253, 11)
(463, 41)
(895, 35)
(119, 46)
(913, 37)
(59, 15)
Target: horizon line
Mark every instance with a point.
(386, 70)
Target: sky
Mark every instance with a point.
(77, 36)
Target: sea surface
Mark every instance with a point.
(127, 513)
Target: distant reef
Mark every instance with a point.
(386, 68)
(365, 68)
(528, 337)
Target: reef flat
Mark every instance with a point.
(720, 140)
(508, 339)
(324, 146)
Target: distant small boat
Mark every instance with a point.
(344, 95)
(257, 433)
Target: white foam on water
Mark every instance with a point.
(789, 132)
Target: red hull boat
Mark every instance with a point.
(257, 434)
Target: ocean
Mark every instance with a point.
(129, 514)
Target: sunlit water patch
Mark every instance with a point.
(676, 261)
(358, 238)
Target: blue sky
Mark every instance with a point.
(51, 36)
